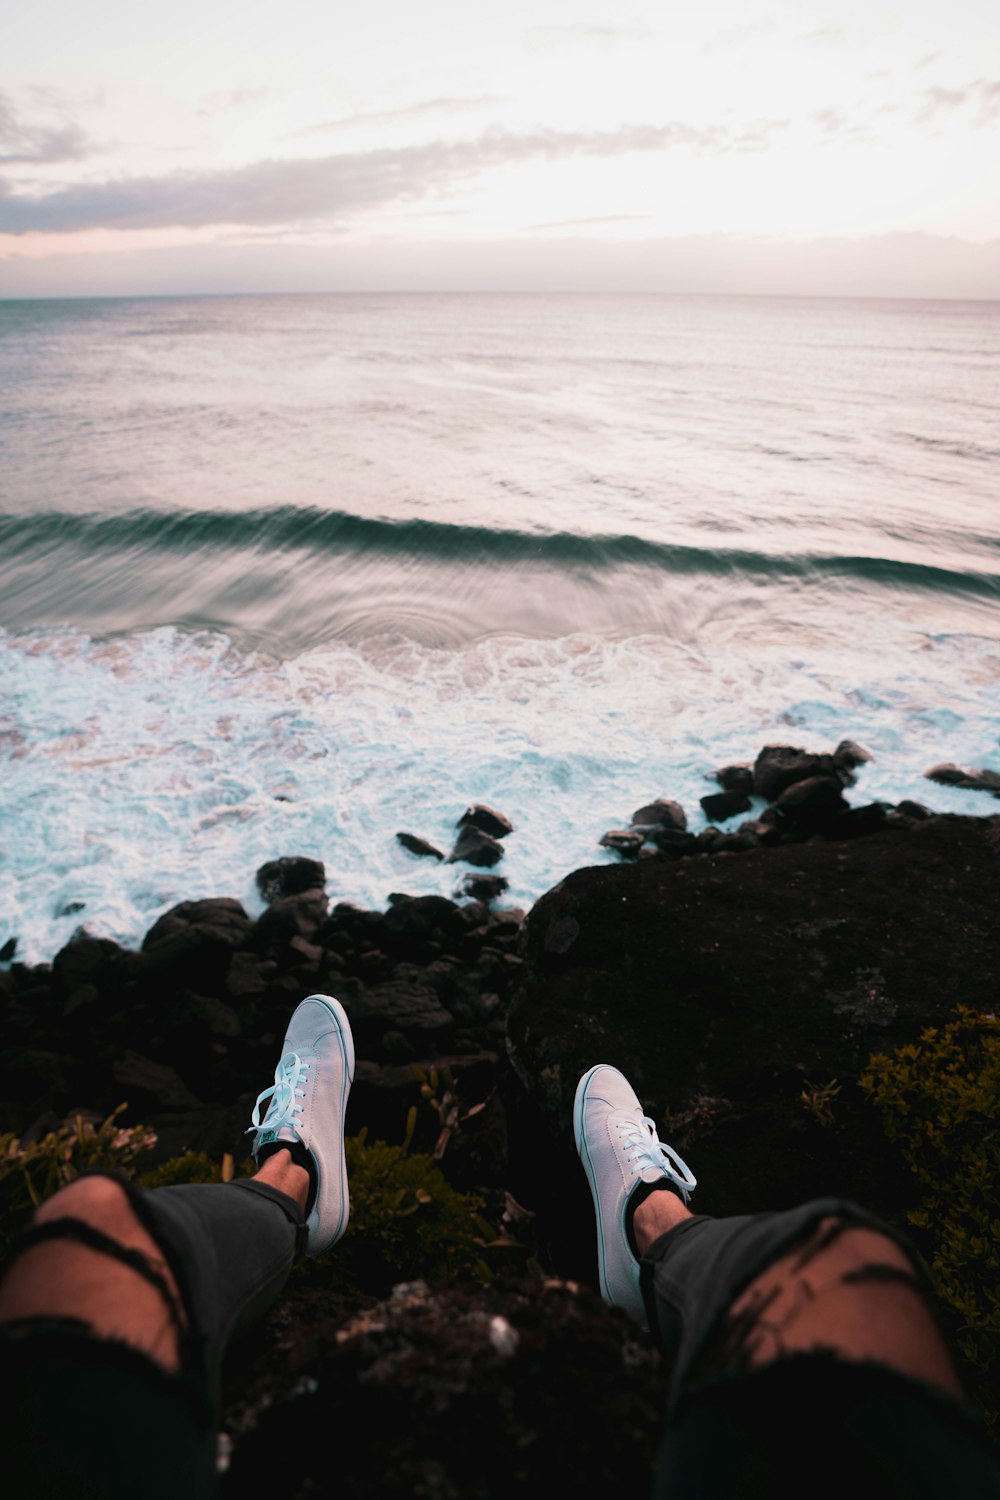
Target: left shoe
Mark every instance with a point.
(308, 1104)
(620, 1150)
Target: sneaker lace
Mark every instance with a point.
(643, 1148)
(286, 1093)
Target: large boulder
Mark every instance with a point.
(727, 989)
(290, 876)
(192, 944)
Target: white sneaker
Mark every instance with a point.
(308, 1103)
(620, 1150)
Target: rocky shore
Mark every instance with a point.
(742, 980)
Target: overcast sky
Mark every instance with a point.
(206, 145)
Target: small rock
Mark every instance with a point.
(850, 754)
(856, 822)
(419, 846)
(484, 887)
(623, 841)
(663, 813)
(722, 805)
(476, 847)
(915, 810)
(486, 819)
(673, 842)
(8, 950)
(289, 876)
(735, 779)
(974, 780)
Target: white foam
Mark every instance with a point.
(141, 771)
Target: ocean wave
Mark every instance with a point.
(293, 529)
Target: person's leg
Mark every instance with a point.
(137, 1294)
(813, 1296)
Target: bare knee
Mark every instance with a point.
(848, 1290)
(100, 1201)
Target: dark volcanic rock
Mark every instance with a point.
(419, 846)
(850, 754)
(735, 779)
(401, 1005)
(663, 813)
(624, 841)
(723, 987)
(780, 766)
(486, 819)
(475, 847)
(484, 887)
(673, 842)
(973, 780)
(810, 806)
(143, 1079)
(192, 944)
(722, 805)
(291, 917)
(289, 876)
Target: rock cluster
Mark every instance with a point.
(187, 1029)
(480, 829)
(803, 790)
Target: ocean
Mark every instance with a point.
(286, 575)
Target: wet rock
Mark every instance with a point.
(414, 925)
(735, 779)
(850, 754)
(484, 887)
(780, 766)
(722, 805)
(192, 944)
(624, 841)
(87, 960)
(419, 846)
(8, 950)
(810, 806)
(673, 842)
(973, 780)
(663, 813)
(486, 819)
(474, 847)
(290, 917)
(290, 876)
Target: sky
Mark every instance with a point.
(219, 145)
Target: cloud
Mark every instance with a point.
(738, 36)
(335, 188)
(598, 219)
(982, 94)
(228, 99)
(35, 145)
(399, 116)
(587, 36)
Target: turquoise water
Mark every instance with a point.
(285, 574)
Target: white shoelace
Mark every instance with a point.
(643, 1148)
(285, 1095)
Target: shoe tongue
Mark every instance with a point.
(650, 1174)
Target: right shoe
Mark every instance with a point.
(620, 1151)
(308, 1101)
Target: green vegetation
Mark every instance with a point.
(31, 1173)
(407, 1221)
(939, 1101)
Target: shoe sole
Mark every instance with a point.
(579, 1135)
(339, 1014)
